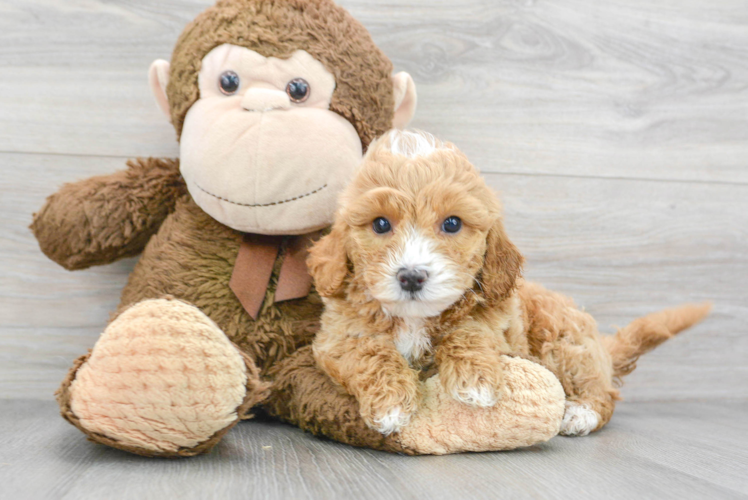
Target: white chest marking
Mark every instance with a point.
(412, 339)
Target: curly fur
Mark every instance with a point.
(491, 311)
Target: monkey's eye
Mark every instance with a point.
(228, 82)
(298, 90)
(452, 224)
(381, 225)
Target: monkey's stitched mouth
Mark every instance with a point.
(258, 205)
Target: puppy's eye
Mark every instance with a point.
(452, 224)
(381, 225)
(228, 82)
(298, 90)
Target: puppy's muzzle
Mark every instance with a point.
(412, 280)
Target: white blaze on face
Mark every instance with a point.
(257, 161)
(441, 289)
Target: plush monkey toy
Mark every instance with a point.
(274, 103)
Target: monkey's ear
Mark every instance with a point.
(405, 99)
(328, 262)
(502, 266)
(158, 79)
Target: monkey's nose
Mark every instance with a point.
(259, 99)
(412, 280)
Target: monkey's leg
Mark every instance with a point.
(529, 412)
(162, 380)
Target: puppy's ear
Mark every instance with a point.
(328, 262)
(502, 266)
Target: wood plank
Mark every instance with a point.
(649, 450)
(48, 316)
(563, 87)
(616, 89)
(82, 86)
(620, 248)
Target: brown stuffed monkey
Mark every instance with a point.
(274, 103)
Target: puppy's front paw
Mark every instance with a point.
(391, 421)
(478, 386)
(579, 420)
(482, 395)
(389, 409)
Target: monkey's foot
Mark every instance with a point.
(162, 380)
(529, 412)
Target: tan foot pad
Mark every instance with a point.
(162, 377)
(530, 412)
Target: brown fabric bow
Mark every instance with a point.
(254, 268)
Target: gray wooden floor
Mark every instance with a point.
(651, 450)
(617, 135)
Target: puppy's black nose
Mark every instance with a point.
(411, 280)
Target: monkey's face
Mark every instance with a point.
(260, 149)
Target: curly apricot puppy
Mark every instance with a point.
(418, 274)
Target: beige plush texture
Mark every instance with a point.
(529, 413)
(240, 153)
(162, 376)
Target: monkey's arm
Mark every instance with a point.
(99, 220)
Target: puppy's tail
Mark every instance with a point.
(644, 334)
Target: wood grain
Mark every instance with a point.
(649, 450)
(615, 88)
(568, 87)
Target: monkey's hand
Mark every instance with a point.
(99, 220)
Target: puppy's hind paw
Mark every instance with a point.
(392, 421)
(579, 420)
